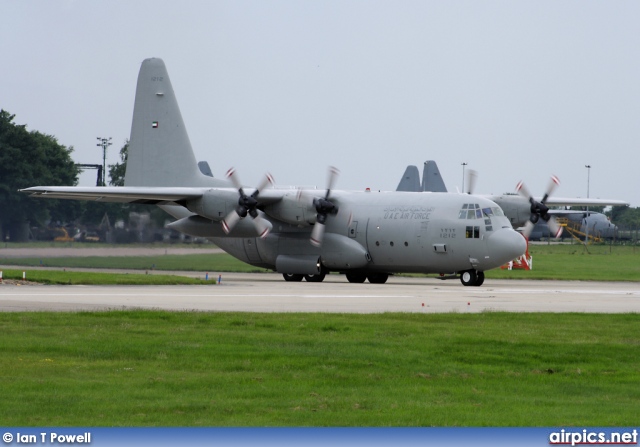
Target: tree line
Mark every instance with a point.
(31, 158)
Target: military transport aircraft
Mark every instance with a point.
(299, 233)
(522, 209)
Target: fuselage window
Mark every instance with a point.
(472, 232)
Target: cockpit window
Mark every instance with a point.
(473, 211)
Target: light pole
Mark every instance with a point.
(588, 177)
(463, 166)
(104, 143)
(586, 219)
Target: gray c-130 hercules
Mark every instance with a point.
(300, 233)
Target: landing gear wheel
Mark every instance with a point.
(479, 279)
(356, 277)
(468, 278)
(378, 278)
(292, 277)
(315, 278)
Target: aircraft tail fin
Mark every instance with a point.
(410, 181)
(160, 152)
(431, 178)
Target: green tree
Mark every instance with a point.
(117, 171)
(30, 158)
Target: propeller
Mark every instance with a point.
(247, 205)
(324, 207)
(539, 210)
(472, 179)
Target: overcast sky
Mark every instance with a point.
(519, 90)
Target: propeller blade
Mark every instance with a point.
(262, 226)
(553, 184)
(230, 221)
(522, 190)
(317, 234)
(528, 228)
(554, 227)
(472, 178)
(267, 180)
(331, 180)
(231, 175)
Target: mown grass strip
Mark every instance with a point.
(155, 368)
(91, 278)
(219, 262)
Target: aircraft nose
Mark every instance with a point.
(505, 245)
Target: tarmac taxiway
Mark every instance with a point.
(266, 292)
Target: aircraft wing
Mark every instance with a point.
(564, 201)
(144, 194)
(122, 194)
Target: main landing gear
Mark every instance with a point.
(355, 277)
(472, 278)
(309, 278)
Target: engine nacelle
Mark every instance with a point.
(292, 210)
(214, 204)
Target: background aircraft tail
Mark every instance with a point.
(160, 152)
(431, 178)
(410, 180)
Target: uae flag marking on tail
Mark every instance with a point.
(154, 124)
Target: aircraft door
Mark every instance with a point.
(251, 249)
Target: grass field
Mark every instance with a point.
(156, 368)
(575, 262)
(153, 368)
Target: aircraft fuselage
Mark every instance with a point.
(391, 232)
